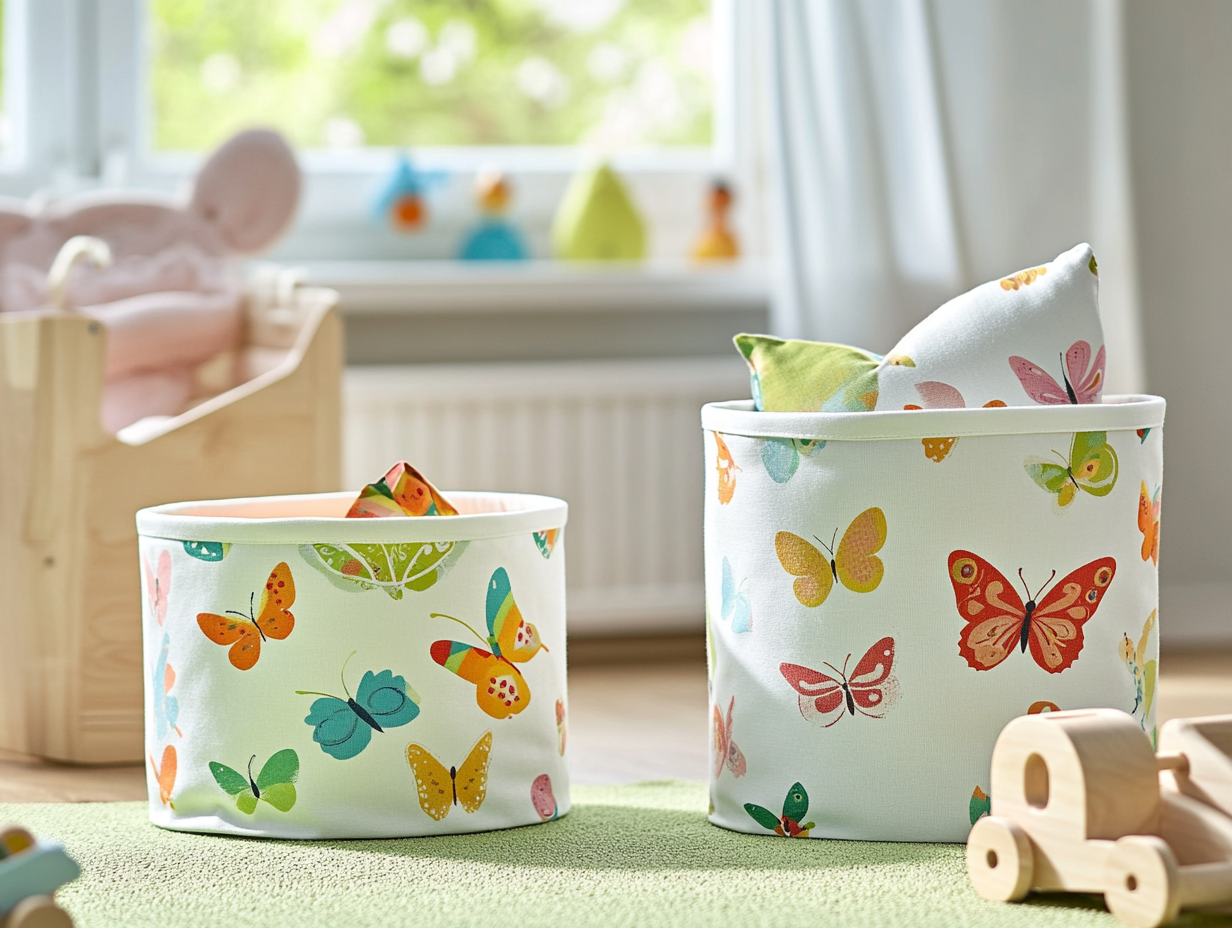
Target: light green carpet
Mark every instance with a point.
(626, 857)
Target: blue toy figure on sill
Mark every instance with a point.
(402, 201)
(494, 238)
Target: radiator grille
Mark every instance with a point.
(619, 440)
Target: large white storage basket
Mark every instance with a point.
(374, 705)
(860, 692)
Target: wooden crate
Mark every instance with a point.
(71, 667)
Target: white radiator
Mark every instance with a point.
(620, 441)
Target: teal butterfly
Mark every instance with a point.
(1092, 467)
(735, 605)
(275, 783)
(207, 550)
(781, 456)
(343, 727)
(795, 807)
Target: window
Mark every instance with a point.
(136, 92)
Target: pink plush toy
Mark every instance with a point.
(165, 279)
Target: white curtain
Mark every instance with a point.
(917, 148)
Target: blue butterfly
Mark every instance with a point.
(343, 727)
(736, 607)
(166, 708)
(781, 456)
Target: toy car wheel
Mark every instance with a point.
(37, 912)
(1000, 860)
(1141, 880)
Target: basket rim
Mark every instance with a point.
(499, 515)
(1115, 413)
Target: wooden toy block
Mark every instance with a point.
(1077, 806)
(71, 667)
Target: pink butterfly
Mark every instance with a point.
(726, 754)
(158, 585)
(1081, 385)
(871, 690)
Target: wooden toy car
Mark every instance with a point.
(1082, 803)
(29, 873)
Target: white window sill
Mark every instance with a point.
(410, 287)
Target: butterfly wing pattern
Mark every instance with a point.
(871, 690)
(166, 707)
(997, 620)
(158, 585)
(343, 728)
(856, 562)
(735, 606)
(1083, 383)
(165, 774)
(1148, 523)
(726, 754)
(440, 789)
(1092, 467)
(275, 784)
(244, 635)
(500, 689)
(808, 565)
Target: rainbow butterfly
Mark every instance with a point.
(500, 689)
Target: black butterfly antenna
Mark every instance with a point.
(251, 617)
(830, 546)
(1027, 589)
(250, 760)
(842, 673)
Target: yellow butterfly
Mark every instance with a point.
(853, 563)
(467, 785)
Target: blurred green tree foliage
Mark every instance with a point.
(345, 73)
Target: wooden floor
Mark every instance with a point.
(629, 721)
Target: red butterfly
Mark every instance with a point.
(1081, 385)
(870, 690)
(997, 619)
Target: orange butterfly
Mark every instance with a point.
(1148, 523)
(166, 775)
(997, 619)
(727, 467)
(246, 632)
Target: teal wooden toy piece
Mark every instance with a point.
(402, 200)
(597, 220)
(494, 238)
(37, 871)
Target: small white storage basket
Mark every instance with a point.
(882, 696)
(391, 728)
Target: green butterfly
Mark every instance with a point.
(795, 807)
(275, 783)
(1092, 468)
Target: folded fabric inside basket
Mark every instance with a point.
(1033, 337)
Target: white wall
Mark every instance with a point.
(1179, 59)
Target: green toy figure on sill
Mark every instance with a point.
(597, 220)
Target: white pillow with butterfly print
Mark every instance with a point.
(1031, 338)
